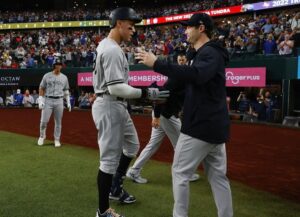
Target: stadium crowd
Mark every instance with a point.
(97, 14)
(28, 99)
(267, 33)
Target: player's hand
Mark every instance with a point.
(155, 94)
(41, 102)
(69, 107)
(155, 122)
(147, 58)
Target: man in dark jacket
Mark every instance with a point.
(165, 122)
(205, 127)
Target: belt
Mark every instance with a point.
(117, 98)
(54, 97)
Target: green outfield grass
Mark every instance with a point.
(61, 182)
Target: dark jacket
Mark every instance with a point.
(174, 103)
(205, 111)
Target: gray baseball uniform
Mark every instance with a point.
(116, 131)
(170, 127)
(54, 86)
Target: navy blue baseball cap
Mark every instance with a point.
(200, 19)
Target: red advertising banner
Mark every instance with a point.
(186, 16)
(235, 77)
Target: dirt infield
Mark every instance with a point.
(262, 156)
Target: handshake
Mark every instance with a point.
(155, 94)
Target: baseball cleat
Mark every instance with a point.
(41, 141)
(108, 213)
(135, 176)
(195, 177)
(57, 144)
(123, 197)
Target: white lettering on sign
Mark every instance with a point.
(279, 3)
(295, 1)
(10, 79)
(235, 79)
(220, 11)
(147, 78)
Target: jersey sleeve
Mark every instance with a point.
(113, 66)
(43, 82)
(66, 87)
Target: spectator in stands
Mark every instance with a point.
(243, 102)
(9, 99)
(20, 53)
(239, 46)
(251, 43)
(269, 45)
(267, 28)
(23, 64)
(30, 62)
(295, 22)
(258, 109)
(295, 26)
(28, 100)
(269, 103)
(35, 96)
(18, 98)
(286, 47)
(84, 102)
(50, 60)
(82, 95)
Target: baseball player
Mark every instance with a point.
(165, 121)
(205, 126)
(117, 136)
(53, 88)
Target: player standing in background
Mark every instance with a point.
(165, 121)
(205, 126)
(53, 88)
(117, 136)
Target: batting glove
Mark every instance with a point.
(41, 102)
(156, 95)
(69, 106)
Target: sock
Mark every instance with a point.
(117, 183)
(104, 181)
(123, 165)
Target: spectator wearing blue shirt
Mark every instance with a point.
(30, 62)
(18, 98)
(50, 60)
(267, 28)
(269, 45)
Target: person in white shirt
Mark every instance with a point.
(28, 100)
(286, 47)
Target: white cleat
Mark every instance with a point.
(57, 144)
(41, 141)
(195, 177)
(135, 176)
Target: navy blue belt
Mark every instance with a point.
(54, 97)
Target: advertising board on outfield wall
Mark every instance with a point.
(224, 11)
(235, 77)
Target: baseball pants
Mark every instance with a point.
(170, 127)
(116, 132)
(189, 153)
(57, 107)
